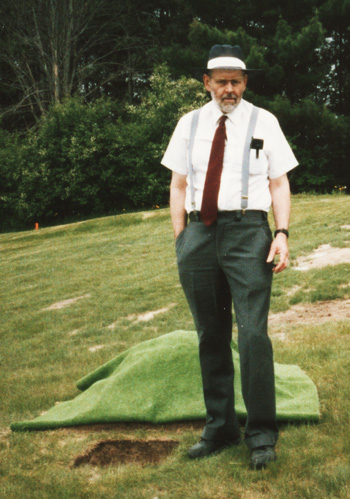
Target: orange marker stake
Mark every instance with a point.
(36, 226)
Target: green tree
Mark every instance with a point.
(96, 158)
(148, 129)
(69, 161)
(96, 152)
(335, 17)
(55, 49)
(319, 140)
(10, 171)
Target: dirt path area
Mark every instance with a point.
(323, 311)
(322, 256)
(313, 313)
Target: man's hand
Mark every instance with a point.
(279, 246)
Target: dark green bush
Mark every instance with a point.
(320, 141)
(93, 159)
(11, 202)
(99, 158)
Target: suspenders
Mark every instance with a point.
(245, 159)
(194, 125)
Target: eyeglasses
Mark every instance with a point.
(236, 82)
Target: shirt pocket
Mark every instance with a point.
(201, 152)
(258, 166)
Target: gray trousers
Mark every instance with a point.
(219, 264)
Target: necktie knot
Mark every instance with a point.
(222, 120)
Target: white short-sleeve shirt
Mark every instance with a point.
(275, 159)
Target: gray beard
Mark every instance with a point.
(225, 108)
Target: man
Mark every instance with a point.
(225, 177)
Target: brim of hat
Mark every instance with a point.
(247, 70)
(199, 72)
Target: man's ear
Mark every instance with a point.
(206, 80)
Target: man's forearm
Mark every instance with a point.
(177, 204)
(280, 194)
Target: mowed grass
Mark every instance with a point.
(116, 270)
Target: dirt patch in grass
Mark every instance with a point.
(312, 313)
(114, 452)
(96, 348)
(65, 303)
(322, 256)
(148, 316)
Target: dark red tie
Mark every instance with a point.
(209, 209)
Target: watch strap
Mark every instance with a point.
(284, 231)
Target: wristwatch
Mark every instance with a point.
(284, 231)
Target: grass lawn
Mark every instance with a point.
(74, 296)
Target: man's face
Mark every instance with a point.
(226, 87)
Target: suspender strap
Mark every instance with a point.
(245, 162)
(246, 157)
(194, 124)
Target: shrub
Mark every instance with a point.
(97, 158)
(319, 140)
(69, 160)
(10, 171)
(148, 130)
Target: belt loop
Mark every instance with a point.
(194, 216)
(238, 215)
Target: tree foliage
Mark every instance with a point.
(57, 48)
(85, 159)
(85, 118)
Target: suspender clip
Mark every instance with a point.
(244, 204)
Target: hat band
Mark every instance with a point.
(226, 62)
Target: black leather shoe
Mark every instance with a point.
(206, 448)
(261, 456)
